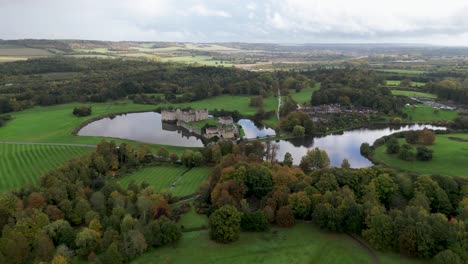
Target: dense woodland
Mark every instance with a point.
(79, 211)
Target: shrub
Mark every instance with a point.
(424, 154)
(406, 153)
(255, 221)
(393, 146)
(82, 111)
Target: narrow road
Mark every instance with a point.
(279, 103)
(48, 144)
(178, 179)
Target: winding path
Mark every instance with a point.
(279, 103)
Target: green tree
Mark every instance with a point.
(447, 256)
(393, 146)
(285, 217)
(300, 204)
(112, 255)
(225, 224)
(380, 232)
(298, 131)
(406, 153)
(86, 241)
(288, 159)
(423, 154)
(345, 164)
(315, 159)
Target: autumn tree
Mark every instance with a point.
(285, 217)
(225, 224)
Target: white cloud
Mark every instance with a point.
(425, 21)
(201, 10)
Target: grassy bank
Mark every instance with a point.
(449, 157)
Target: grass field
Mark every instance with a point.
(23, 164)
(56, 124)
(304, 95)
(229, 103)
(303, 243)
(191, 181)
(413, 94)
(449, 157)
(421, 113)
(162, 177)
(397, 83)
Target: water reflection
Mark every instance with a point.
(253, 130)
(145, 127)
(346, 145)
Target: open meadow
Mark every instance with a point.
(424, 113)
(414, 94)
(303, 243)
(397, 83)
(23, 164)
(449, 157)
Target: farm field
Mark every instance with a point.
(449, 157)
(413, 94)
(303, 243)
(403, 71)
(162, 177)
(23, 164)
(55, 124)
(204, 60)
(422, 113)
(397, 83)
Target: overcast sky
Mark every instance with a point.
(287, 21)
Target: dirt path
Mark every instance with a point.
(279, 104)
(366, 247)
(47, 144)
(178, 179)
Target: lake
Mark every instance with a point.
(342, 146)
(253, 130)
(145, 127)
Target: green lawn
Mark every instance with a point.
(201, 124)
(414, 94)
(23, 164)
(304, 95)
(422, 113)
(229, 103)
(449, 157)
(303, 243)
(56, 124)
(397, 83)
(191, 181)
(162, 177)
(193, 220)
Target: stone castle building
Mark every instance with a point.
(184, 116)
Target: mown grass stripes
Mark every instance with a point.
(162, 177)
(23, 164)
